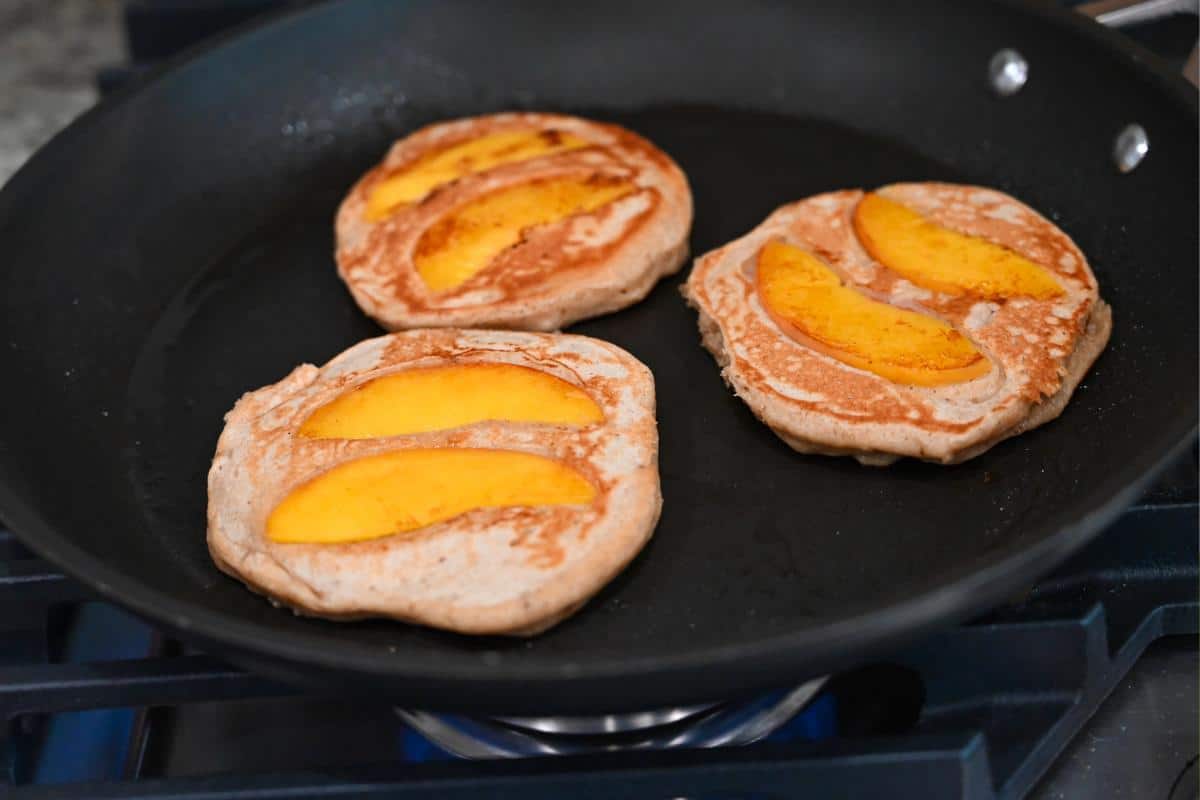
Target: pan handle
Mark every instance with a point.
(1119, 13)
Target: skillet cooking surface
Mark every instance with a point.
(173, 250)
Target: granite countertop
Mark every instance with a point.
(49, 53)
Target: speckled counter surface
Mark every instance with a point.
(49, 53)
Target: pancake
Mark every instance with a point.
(1003, 335)
(484, 482)
(521, 221)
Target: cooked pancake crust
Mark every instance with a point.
(588, 265)
(1040, 349)
(491, 570)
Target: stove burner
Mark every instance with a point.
(716, 725)
(978, 711)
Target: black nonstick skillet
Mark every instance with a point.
(173, 249)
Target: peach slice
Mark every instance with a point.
(404, 490)
(809, 301)
(943, 260)
(437, 398)
(414, 182)
(466, 240)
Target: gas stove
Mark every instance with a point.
(102, 705)
(1016, 703)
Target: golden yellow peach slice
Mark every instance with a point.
(436, 169)
(437, 398)
(809, 301)
(404, 490)
(469, 238)
(943, 260)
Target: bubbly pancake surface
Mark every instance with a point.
(1008, 320)
(481, 481)
(520, 220)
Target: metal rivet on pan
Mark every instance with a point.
(1131, 147)
(1007, 71)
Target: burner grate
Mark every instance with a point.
(976, 712)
